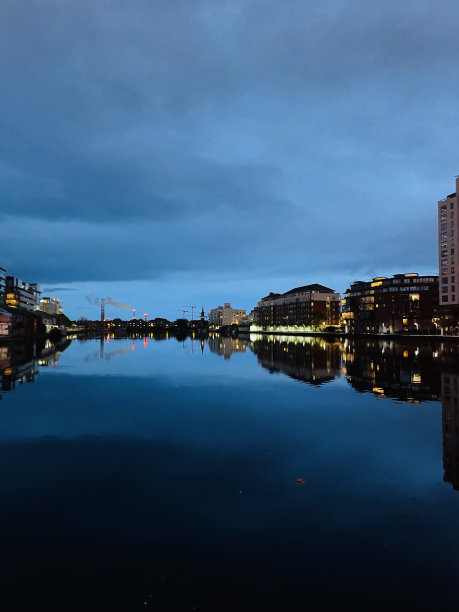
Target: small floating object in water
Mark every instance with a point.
(300, 481)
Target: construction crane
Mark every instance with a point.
(192, 311)
(183, 311)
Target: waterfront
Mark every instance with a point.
(232, 474)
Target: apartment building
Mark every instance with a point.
(2, 285)
(51, 305)
(448, 234)
(405, 302)
(20, 294)
(226, 315)
(302, 306)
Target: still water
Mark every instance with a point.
(220, 474)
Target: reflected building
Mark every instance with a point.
(406, 372)
(302, 358)
(20, 362)
(226, 346)
(450, 427)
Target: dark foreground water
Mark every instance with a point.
(230, 475)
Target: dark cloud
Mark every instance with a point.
(243, 137)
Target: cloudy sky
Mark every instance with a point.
(191, 152)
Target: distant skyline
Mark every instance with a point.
(191, 153)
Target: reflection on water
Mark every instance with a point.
(308, 359)
(20, 362)
(168, 478)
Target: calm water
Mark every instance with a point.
(230, 475)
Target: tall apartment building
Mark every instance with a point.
(225, 315)
(2, 285)
(302, 306)
(448, 248)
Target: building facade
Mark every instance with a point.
(225, 315)
(309, 305)
(405, 302)
(2, 285)
(51, 305)
(448, 245)
(20, 294)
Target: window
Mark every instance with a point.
(443, 208)
(451, 205)
(444, 298)
(444, 253)
(452, 270)
(444, 289)
(444, 236)
(443, 217)
(451, 233)
(443, 226)
(444, 280)
(452, 251)
(444, 262)
(453, 279)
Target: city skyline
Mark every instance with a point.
(197, 154)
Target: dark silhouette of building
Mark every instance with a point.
(405, 302)
(450, 427)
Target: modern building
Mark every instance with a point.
(448, 248)
(405, 302)
(51, 305)
(309, 305)
(2, 285)
(225, 315)
(20, 294)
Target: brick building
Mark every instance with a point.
(405, 302)
(309, 305)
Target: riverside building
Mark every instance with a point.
(51, 305)
(448, 245)
(405, 302)
(20, 294)
(225, 315)
(306, 306)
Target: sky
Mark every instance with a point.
(170, 153)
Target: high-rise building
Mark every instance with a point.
(448, 248)
(2, 285)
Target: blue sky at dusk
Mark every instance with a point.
(171, 153)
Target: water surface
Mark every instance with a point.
(222, 474)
